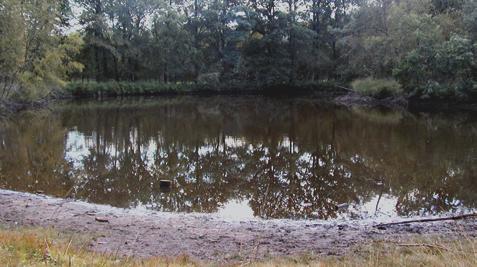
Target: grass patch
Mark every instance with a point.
(379, 88)
(113, 88)
(43, 247)
(145, 88)
(433, 251)
(40, 247)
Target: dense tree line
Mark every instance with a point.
(428, 47)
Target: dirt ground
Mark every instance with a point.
(205, 237)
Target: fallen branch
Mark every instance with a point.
(102, 219)
(452, 218)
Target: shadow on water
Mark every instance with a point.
(245, 156)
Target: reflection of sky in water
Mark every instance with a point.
(256, 158)
(240, 210)
(236, 210)
(386, 205)
(78, 148)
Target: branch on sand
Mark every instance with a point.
(452, 218)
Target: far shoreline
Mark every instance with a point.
(327, 93)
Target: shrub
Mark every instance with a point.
(379, 88)
(443, 70)
(209, 78)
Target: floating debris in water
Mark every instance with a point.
(342, 206)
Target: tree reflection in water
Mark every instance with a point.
(290, 158)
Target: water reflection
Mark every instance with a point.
(272, 158)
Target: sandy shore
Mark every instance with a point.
(205, 237)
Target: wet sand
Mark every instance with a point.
(205, 237)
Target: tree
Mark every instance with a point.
(172, 50)
(35, 56)
(263, 42)
(441, 70)
(13, 39)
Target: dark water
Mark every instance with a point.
(245, 157)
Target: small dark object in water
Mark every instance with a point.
(165, 184)
(342, 206)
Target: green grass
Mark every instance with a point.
(114, 88)
(379, 88)
(43, 247)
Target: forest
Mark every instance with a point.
(377, 47)
(238, 133)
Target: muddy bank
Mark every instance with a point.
(416, 104)
(204, 237)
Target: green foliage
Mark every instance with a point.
(113, 88)
(172, 49)
(34, 57)
(379, 88)
(51, 69)
(440, 70)
(470, 19)
(12, 39)
(428, 46)
(208, 84)
(242, 41)
(387, 33)
(209, 78)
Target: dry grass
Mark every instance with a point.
(379, 88)
(421, 252)
(40, 247)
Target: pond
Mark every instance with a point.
(245, 157)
